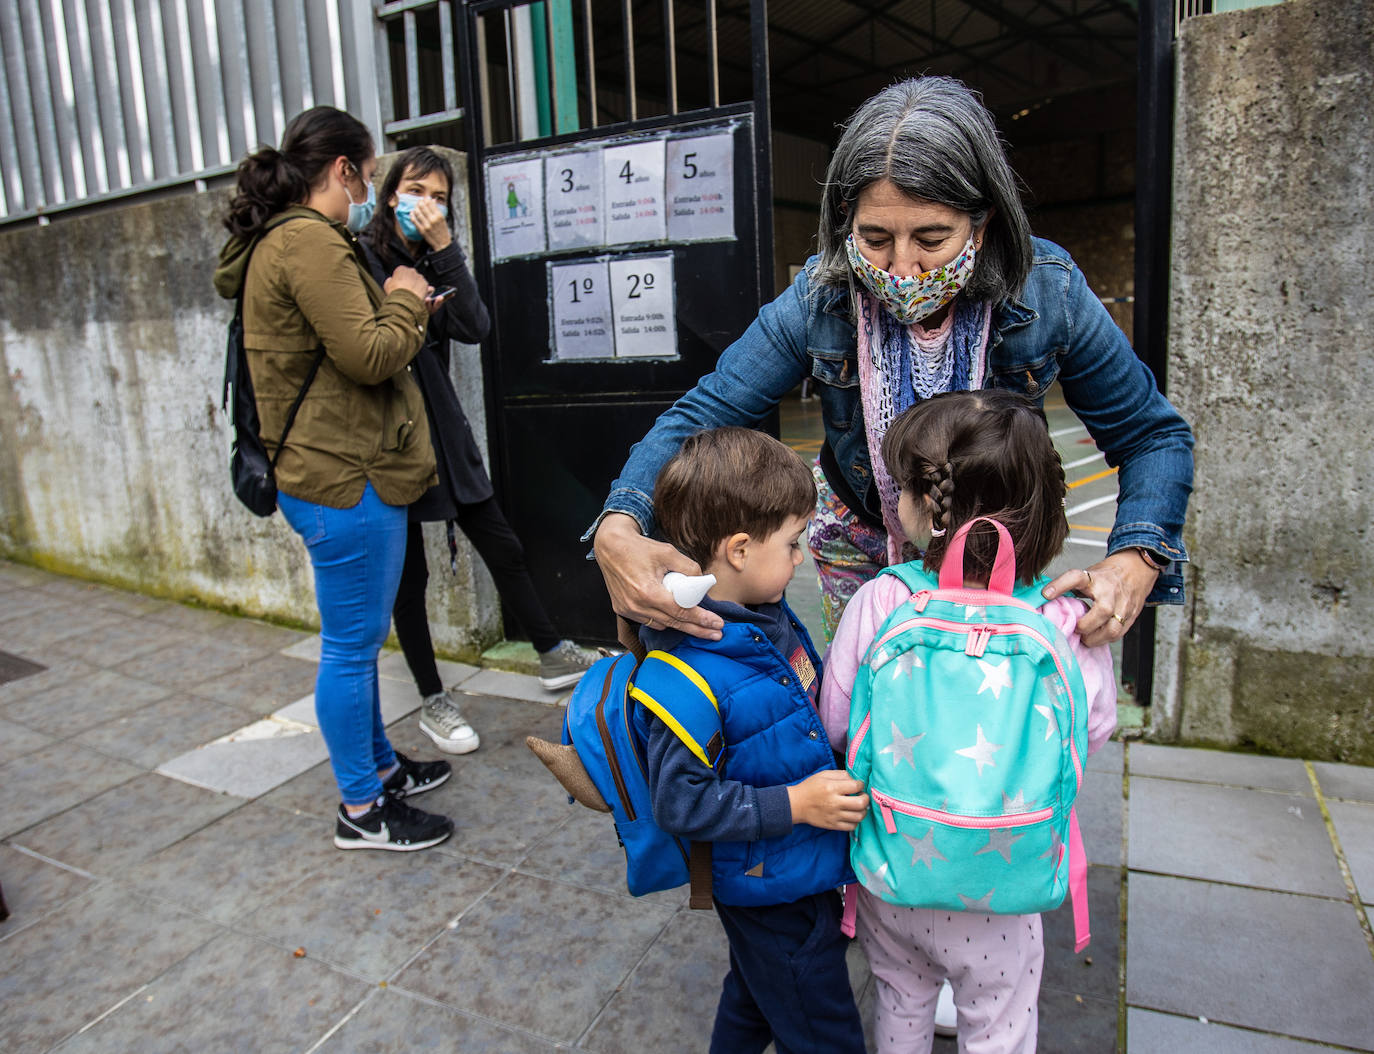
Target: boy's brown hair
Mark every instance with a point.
(725, 481)
(983, 453)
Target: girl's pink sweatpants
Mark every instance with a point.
(992, 961)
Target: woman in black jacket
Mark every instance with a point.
(413, 227)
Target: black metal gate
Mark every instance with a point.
(622, 219)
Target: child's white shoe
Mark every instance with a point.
(946, 1016)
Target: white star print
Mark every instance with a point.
(1000, 841)
(995, 677)
(1052, 729)
(876, 881)
(900, 747)
(981, 751)
(1012, 806)
(983, 903)
(970, 610)
(906, 663)
(923, 849)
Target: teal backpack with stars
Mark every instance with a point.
(969, 727)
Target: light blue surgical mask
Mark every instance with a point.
(360, 214)
(405, 205)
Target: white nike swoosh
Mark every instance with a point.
(383, 835)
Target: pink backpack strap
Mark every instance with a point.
(1078, 884)
(851, 909)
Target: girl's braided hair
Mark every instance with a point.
(984, 453)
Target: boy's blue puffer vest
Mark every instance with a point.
(773, 735)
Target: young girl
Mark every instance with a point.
(955, 457)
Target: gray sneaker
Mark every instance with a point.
(443, 722)
(564, 664)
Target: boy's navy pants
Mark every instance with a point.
(788, 982)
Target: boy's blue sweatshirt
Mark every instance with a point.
(688, 799)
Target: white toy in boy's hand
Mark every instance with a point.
(688, 590)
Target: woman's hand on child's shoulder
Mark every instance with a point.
(831, 799)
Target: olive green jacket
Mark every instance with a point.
(363, 420)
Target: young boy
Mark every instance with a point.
(764, 791)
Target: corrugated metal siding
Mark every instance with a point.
(101, 98)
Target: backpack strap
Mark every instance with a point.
(695, 720)
(1078, 884)
(913, 575)
(695, 714)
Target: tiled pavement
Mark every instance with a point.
(165, 851)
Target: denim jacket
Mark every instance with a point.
(1057, 329)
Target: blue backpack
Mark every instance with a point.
(969, 727)
(603, 763)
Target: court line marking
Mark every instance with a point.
(1074, 510)
(1093, 478)
(1084, 461)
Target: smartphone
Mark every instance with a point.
(440, 295)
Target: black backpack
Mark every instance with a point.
(250, 469)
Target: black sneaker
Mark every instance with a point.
(416, 777)
(391, 824)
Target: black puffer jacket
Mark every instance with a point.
(463, 479)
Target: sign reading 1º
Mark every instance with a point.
(622, 308)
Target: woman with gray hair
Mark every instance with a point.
(928, 280)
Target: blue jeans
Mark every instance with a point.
(357, 555)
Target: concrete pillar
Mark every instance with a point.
(1271, 358)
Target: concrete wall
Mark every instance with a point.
(1272, 360)
(113, 446)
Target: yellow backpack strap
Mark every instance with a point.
(694, 716)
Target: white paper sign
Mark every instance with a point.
(642, 298)
(581, 298)
(701, 188)
(515, 203)
(632, 178)
(573, 185)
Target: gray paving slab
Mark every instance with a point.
(312, 793)
(369, 912)
(1220, 766)
(17, 740)
(52, 780)
(83, 959)
(234, 993)
(392, 1022)
(71, 590)
(250, 761)
(49, 625)
(1108, 759)
(68, 709)
(118, 642)
(1355, 828)
(1093, 971)
(1072, 1024)
(58, 671)
(197, 619)
(1150, 1032)
(262, 637)
(21, 575)
(1277, 962)
(513, 686)
(671, 994)
(136, 604)
(1101, 817)
(163, 730)
(1254, 838)
(1351, 782)
(496, 818)
(537, 955)
(125, 824)
(583, 849)
(263, 685)
(231, 868)
(187, 662)
(33, 888)
(307, 650)
(24, 603)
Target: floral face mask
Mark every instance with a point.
(912, 299)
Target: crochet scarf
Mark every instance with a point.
(900, 365)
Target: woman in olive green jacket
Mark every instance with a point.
(359, 450)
